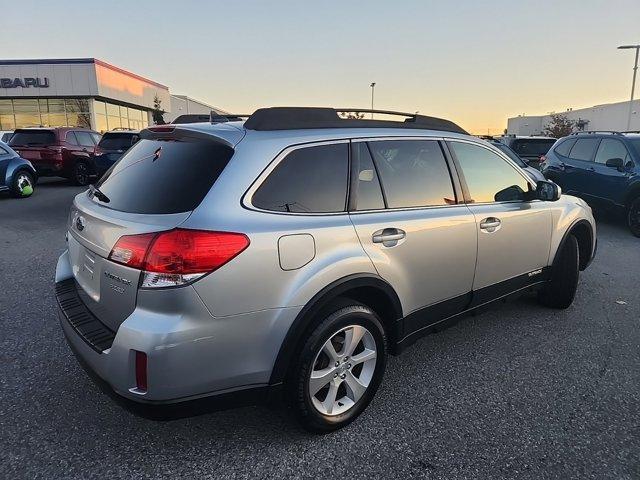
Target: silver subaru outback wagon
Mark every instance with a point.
(285, 256)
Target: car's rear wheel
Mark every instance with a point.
(22, 184)
(81, 173)
(560, 291)
(633, 217)
(339, 368)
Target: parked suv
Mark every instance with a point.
(63, 151)
(530, 149)
(601, 167)
(290, 254)
(111, 147)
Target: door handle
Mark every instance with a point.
(490, 224)
(388, 237)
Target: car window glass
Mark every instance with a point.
(508, 151)
(85, 139)
(532, 146)
(3, 151)
(368, 194)
(95, 137)
(164, 176)
(565, 147)
(489, 177)
(307, 180)
(413, 173)
(116, 141)
(32, 138)
(610, 148)
(71, 138)
(583, 149)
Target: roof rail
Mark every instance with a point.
(631, 131)
(614, 132)
(215, 117)
(294, 118)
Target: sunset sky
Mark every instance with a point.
(474, 62)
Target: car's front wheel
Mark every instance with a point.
(633, 217)
(339, 368)
(560, 291)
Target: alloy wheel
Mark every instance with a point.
(342, 370)
(82, 174)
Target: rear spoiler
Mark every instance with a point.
(171, 132)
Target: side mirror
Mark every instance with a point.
(548, 191)
(617, 163)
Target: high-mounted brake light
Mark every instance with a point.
(162, 129)
(177, 257)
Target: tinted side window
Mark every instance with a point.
(3, 151)
(308, 180)
(71, 139)
(413, 173)
(583, 149)
(610, 148)
(368, 193)
(565, 147)
(85, 139)
(489, 178)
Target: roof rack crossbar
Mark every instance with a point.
(295, 118)
(614, 132)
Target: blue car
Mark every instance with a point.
(601, 167)
(17, 175)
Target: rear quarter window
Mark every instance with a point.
(164, 176)
(307, 180)
(564, 147)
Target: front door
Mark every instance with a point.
(419, 237)
(513, 234)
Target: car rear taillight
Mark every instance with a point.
(177, 257)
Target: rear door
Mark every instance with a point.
(154, 188)
(413, 225)
(578, 166)
(607, 184)
(513, 235)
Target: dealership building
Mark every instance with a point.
(609, 116)
(84, 92)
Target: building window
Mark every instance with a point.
(46, 112)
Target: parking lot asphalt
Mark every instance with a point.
(520, 391)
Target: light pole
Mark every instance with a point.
(633, 82)
(373, 86)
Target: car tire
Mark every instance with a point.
(633, 217)
(81, 174)
(560, 291)
(343, 320)
(22, 184)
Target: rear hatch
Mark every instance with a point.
(154, 187)
(37, 145)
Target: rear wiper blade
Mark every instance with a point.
(95, 191)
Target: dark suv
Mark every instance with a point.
(111, 147)
(63, 151)
(530, 149)
(601, 167)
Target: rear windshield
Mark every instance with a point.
(32, 137)
(163, 176)
(116, 141)
(533, 147)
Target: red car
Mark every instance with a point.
(61, 152)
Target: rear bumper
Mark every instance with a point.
(196, 362)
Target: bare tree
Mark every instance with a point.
(157, 113)
(559, 126)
